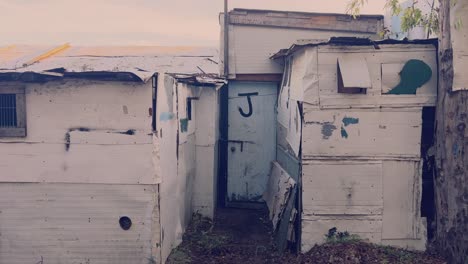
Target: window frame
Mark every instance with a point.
(20, 96)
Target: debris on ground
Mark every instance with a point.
(245, 236)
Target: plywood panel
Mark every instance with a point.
(83, 132)
(354, 133)
(253, 46)
(341, 188)
(77, 223)
(402, 200)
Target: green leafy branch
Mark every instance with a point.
(411, 16)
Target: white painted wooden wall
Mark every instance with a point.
(187, 159)
(363, 177)
(62, 201)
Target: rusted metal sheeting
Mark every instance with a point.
(78, 223)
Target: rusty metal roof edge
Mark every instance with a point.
(352, 41)
(376, 16)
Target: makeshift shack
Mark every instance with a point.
(355, 119)
(81, 176)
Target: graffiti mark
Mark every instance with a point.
(344, 134)
(184, 125)
(346, 122)
(414, 74)
(350, 121)
(327, 130)
(249, 101)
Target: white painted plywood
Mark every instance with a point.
(78, 223)
(341, 188)
(83, 132)
(253, 46)
(355, 133)
(170, 190)
(402, 200)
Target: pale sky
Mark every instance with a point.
(136, 22)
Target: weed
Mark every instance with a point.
(333, 236)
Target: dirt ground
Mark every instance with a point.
(245, 236)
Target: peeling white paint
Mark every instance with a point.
(277, 193)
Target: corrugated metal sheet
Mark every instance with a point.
(143, 61)
(77, 223)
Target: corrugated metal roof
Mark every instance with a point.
(140, 61)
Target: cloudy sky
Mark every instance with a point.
(135, 22)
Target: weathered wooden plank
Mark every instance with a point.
(290, 163)
(331, 133)
(278, 192)
(337, 185)
(51, 162)
(402, 200)
(286, 224)
(307, 21)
